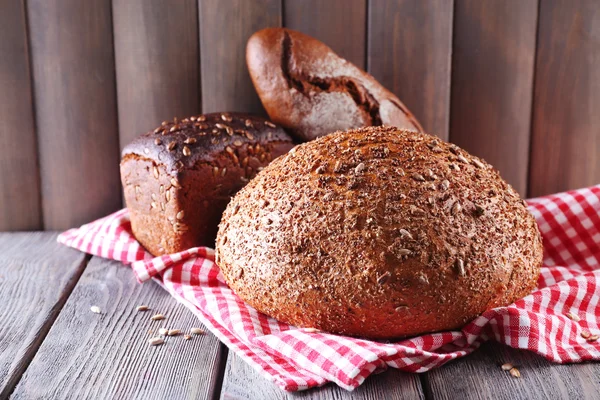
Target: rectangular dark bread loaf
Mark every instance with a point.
(179, 178)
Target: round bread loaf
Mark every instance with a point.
(380, 233)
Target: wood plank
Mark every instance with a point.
(101, 356)
(479, 376)
(409, 51)
(36, 277)
(20, 207)
(76, 112)
(241, 381)
(156, 54)
(326, 20)
(492, 83)
(225, 26)
(566, 118)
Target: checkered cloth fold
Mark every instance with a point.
(298, 359)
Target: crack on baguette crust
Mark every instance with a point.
(305, 83)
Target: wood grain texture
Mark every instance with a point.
(107, 355)
(225, 26)
(241, 381)
(156, 54)
(479, 376)
(566, 118)
(409, 51)
(36, 276)
(492, 83)
(19, 176)
(76, 111)
(340, 24)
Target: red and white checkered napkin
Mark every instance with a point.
(297, 359)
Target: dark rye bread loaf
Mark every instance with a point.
(311, 91)
(379, 233)
(178, 178)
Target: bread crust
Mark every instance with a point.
(380, 233)
(178, 179)
(311, 91)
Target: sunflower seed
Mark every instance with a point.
(460, 267)
(404, 252)
(237, 143)
(586, 334)
(163, 331)
(223, 171)
(455, 208)
(593, 338)
(401, 308)
(248, 123)
(190, 140)
(157, 141)
(320, 170)
(418, 177)
(515, 372)
(201, 118)
(215, 171)
(445, 184)
(175, 183)
(384, 278)
(507, 367)
(423, 279)
(95, 309)
(187, 151)
(405, 233)
(158, 130)
(220, 126)
(155, 341)
(226, 117)
(174, 332)
(462, 159)
(157, 317)
(171, 146)
(155, 172)
(187, 337)
(197, 331)
(270, 124)
(478, 163)
(360, 168)
(574, 317)
(414, 210)
(142, 308)
(180, 214)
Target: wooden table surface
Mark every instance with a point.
(52, 346)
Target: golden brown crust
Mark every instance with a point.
(311, 91)
(178, 179)
(380, 233)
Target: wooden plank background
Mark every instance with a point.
(517, 83)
